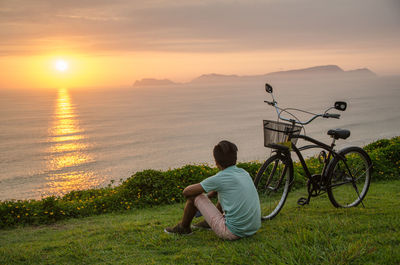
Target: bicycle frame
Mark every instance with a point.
(316, 144)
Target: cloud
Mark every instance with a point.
(32, 27)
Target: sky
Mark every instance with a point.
(114, 43)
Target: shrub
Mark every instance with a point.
(152, 187)
(251, 167)
(385, 156)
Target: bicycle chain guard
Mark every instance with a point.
(314, 185)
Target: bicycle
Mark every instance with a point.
(345, 175)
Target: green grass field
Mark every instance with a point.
(314, 234)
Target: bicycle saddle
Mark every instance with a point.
(339, 133)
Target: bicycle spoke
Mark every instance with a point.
(353, 181)
(358, 193)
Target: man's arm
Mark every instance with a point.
(193, 190)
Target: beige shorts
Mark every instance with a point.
(213, 217)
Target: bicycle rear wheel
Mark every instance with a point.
(349, 178)
(273, 183)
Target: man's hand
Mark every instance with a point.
(193, 190)
(212, 194)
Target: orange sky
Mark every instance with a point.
(113, 43)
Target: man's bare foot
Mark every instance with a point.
(202, 225)
(178, 229)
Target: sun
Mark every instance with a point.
(61, 65)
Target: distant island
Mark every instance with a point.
(153, 82)
(323, 70)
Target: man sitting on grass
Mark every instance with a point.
(237, 213)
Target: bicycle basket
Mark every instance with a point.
(278, 132)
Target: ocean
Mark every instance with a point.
(55, 141)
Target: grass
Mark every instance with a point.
(314, 234)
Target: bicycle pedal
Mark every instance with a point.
(302, 201)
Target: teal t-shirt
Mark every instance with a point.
(239, 199)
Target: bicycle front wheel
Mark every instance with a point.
(273, 183)
(349, 176)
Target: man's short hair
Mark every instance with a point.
(225, 154)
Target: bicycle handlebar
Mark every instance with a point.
(329, 115)
(279, 112)
(272, 103)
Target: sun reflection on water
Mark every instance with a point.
(69, 156)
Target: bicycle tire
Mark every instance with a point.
(273, 184)
(349, 179)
